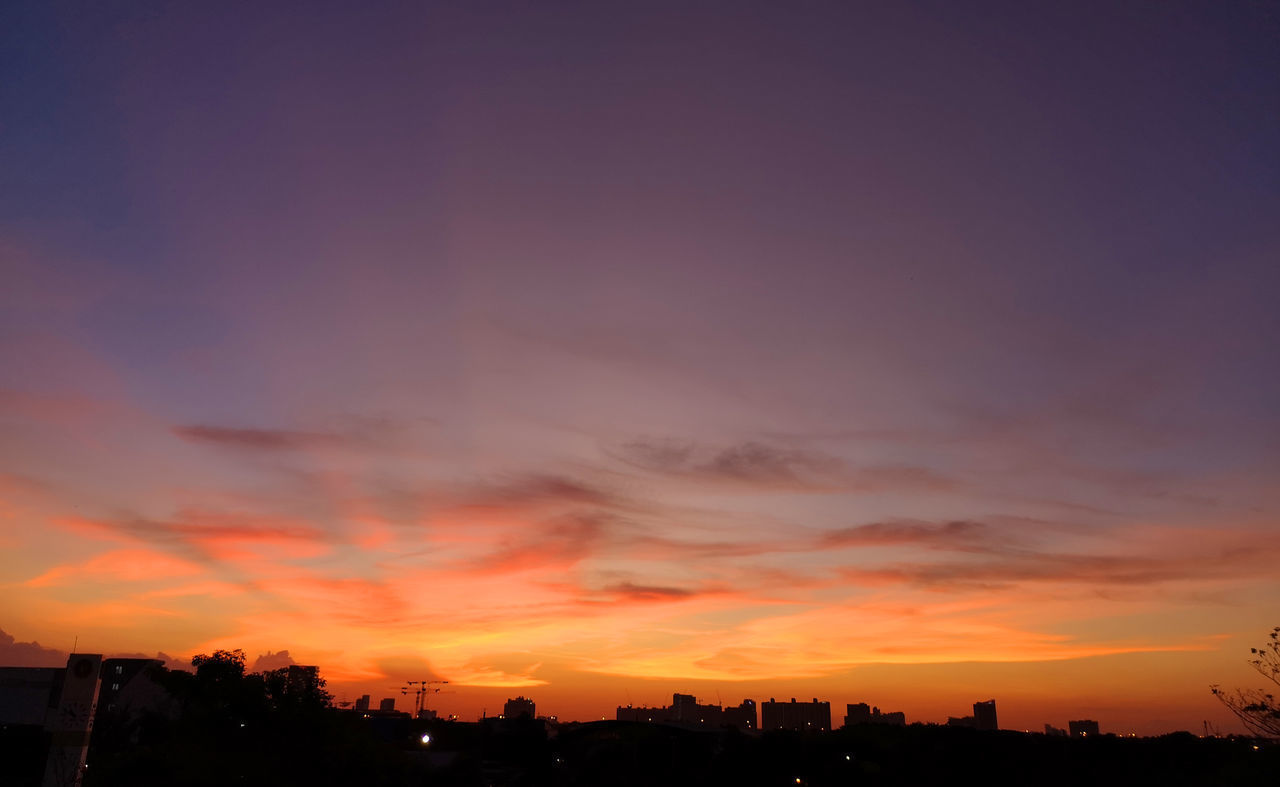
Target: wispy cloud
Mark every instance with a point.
(767, 467)
(215, 534)
(750, 463)
(121, 565)
(1004, 568)
(953, 535)
(259, 439)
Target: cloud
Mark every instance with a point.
(758, 465)
(28, 654)
(539, 489)
(631, 592)
(350, 600)
(954, 535)
(346, 432)
(659, 548)
(258, 439)
(1008, 567)
(120, 565)
(507, 670)
(405, 667)
(161, 656)
(665, 455)
(215, 534)
(272, 661)
(554, 545)
(750, 463)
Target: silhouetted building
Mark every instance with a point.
(520, 706)
(794, 715)
(861, 713)
(984, 715)
(641, 713)
(118, 672)
(962, 721)
(131, 688)
(29, 695)
(388, 704)
(1083, 728)
(362, 704)
(685, 710)
(302, 681)
(742, 717)
(1054, 732)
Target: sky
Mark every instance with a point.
(909, 353)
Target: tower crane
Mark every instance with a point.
(421, 689)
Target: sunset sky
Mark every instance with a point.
(913, 353)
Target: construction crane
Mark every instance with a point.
(420, 694)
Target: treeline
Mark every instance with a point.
(221, 726)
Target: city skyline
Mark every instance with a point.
(478, 702)
(899, 353)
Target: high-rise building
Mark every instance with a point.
(362, 704)
(1083, 728)
(794, 715)
(388, 704)
(743, 717)
(685, 710)
(861, 713)
(520, 706)
(984, 715)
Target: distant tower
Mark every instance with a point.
(1083, 728)
(362, 704)
(984, 715)
(387, 704)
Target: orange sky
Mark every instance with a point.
(582, 595)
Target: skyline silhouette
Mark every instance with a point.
(130, 721)
(410, 698)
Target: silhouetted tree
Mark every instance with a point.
(1258, 708)
(222, 667)
(230, 727)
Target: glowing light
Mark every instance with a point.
(426, 738)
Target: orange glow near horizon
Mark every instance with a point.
(523, 593)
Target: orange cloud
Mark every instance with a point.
(120, 565)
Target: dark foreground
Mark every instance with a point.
(342, 748)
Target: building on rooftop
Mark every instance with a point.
(794, 715)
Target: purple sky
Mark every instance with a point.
(998, 279)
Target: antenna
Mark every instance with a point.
(73, 647)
